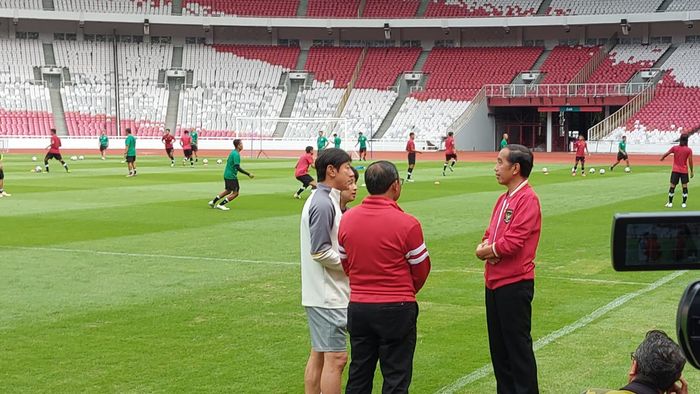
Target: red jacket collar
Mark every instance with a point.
(380, 202)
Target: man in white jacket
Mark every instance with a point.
(324, 286)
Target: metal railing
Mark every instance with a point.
(621, 116)
(469, 112)
(595, 61)
(565, 90)
(351, 84)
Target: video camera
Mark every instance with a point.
(657, 242)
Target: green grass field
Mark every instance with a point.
(110, 284)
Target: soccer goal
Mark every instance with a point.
(270, 133)
(4, 145)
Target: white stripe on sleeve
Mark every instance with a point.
(416, 251)
(419, 259)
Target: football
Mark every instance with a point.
(545, 170)
(219, 161)
(33, 158)
(81, 157)
(602, 171)
(74, 158)
(37, 169)
(627, 169)
(205, 161)
(592, 171)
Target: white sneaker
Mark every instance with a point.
(669, 205)
(172, 164)
(683, 205)
(410, 180)
(223, 207)
(5, 194)
(298, 197)
(211, 204)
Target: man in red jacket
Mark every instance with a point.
(385, 258)
(508, 248)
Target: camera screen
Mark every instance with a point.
(656, 242)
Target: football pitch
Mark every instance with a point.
(115, 284)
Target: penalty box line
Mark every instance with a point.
(486, 370)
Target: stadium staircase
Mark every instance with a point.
(53, 82)
(595, 61)
(361, 8)
(665, 56)
(303, 7)
(518, 80)
(48, 5)
(175, 86)
(544, 6)
(292, 91)
(664, 6)
(351, 84)
(422, 8)
(177, 7)
(49, 57)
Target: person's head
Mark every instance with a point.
(360, 134)
(514, 164)
(333, 168)
(238, 144)
(505, 136)
(350, 194)
(104, 132)
(53, 131)
(658, 361)
(187, 132)
(382, 178)
(167, 131)
(450, 134)
(624, 138)
(309, 149)
(320, 132)
(581, 137)
(412, 135)
(128, 130)
(335, 135)
(683, 141)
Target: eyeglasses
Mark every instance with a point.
(401, 180)
(632, 357)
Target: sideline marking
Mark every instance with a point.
(486, 370)
(587, 280)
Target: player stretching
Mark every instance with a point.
(302, 171)
(130, 153)
(54, 151)
(186, 143)
(581, 150)
(362, 140)
(104, 143)
(621, 153)
(336, 141)
(450, 153)
(168, 140)
(682, 161)
(411, 149)
(233, 167)
(3, 193)
(321, 142)
(195, 148)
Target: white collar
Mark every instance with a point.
(517, 189)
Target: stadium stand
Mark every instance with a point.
(332, 65)
(25, 106)
(21, 4)
(248, 7)
(367, 108)
(625, 60)
(333, 8)
(684, 5)
(319, 101)
(429, 119)
(674, 108)
(564, 62)
(391, 8)
(457, 74)
(231, 81)
(587, 7)
(152, 7)
(481, 8)
(382, 66)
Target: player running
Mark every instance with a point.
(186, 143)
(321, 142)
(581, 151)
(104, 143)
(3, 193)
(168, 140)
(302, 171)
(362, 141)
(233, 167)
(682, 161)
(54, 152)
(450, 153)
(195, 140)
(411, 149)
(130, 153)
(621, 153)
(336, 141)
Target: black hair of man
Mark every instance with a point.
(236, 142)
(379, 177)
(450, 134)
(309, 149)
(683, 140)
(187, 132)
(659, 360)
(330, 157)
(53, 131)
(521, 155)
(411, 134)
(128, 130)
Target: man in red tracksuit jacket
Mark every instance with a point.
(508, 248)
(385, 258)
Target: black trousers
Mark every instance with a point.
(384, 332)
(509, 319)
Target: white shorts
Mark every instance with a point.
(328, 329)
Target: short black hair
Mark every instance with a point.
(660, 361)
(411, 133)
(379, 176)
(187, 132)
(53, 131)
(330, 157)
(355, 173)
(237, 142)
(335, 134)
(450, 134)
(683, 140)
(309, 149)
(521, 155)
(167, 129)
(128, 130)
